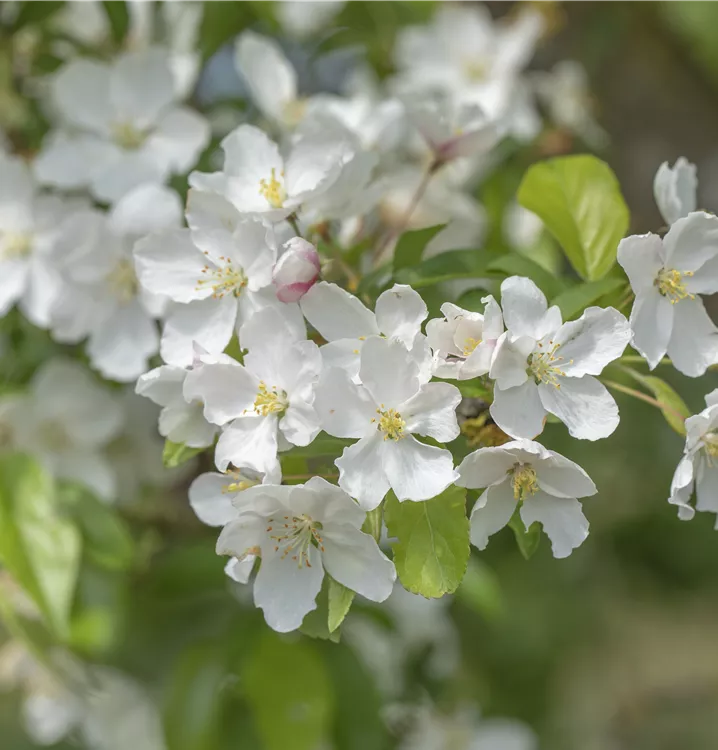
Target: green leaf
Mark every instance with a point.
(32, 12)
(175, 454)
(527, 541)
(672, 405)
(39, 547)
(514, 264)
(373, 523)
(107, 538)
(316, 622)
(576, 299)
(119, 19)
(454, 264)
(580, 202)
(340, 601)
(410, 246)
(480, 590)
(322, 445)
(432, 547)
(288, 690)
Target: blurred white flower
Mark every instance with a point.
(302, 18)
(29, 228)
(542, 366)
(463, 342)
(542, 484)
(297, 270)
(699, 466)
(674, 189)
(101, 298)
(667, 276)
(301, 531)
(120, 126)
(66, 420)
(384, 413)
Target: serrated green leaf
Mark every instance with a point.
(432, 547)
(288, 690)
(175, 454)
(340, 601)
(514, 264)
(527, 541)
(576, 299)
(454, 264)
(579, 200)
(410, 246)
(38, 545)
(673, 406)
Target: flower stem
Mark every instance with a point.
(642, 397)
(638, 360)
(292, 221)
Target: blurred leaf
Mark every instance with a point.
(410, 246)
(340, 601)
(480, 590)
(432, 550)
(193, 711)
(580, 202)
(672, 405)
(39, 547)
(527, 541)
(454, 264)
(513, 264)
(175, 454)
(118, 18)
(316, 622)
(288, 689)
(376, 280)
(221, 22)
(35, 12)
(108, 541)
(475, 388)
(576, 299)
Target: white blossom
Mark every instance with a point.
(301, 19)
(541, 366)
(542, 484)
(674, 189)
(699, 466)
(297, 270)
(463, 342)
(384, 414)
(301, 531)
(121, 126)
(667, 276)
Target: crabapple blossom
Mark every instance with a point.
(121, 126)
(463, 342)
(699, 466)
(541, 366)
(542, 484)
(297, 270)
(100, 297)
(384, 413)
(265, 404)
(301, 531)
(346, 323)
(667, 276)
(674, 189)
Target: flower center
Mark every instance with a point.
(390, 423)
(223, 280)
(469, 346)
(523, 481)
(127, 136)
(123, 281)
(239, 484)
(273, 190)
(294, 535)
(475, 70)
(270, 401)
(670, 284)
(294, 111)
(15, 245)
(710, 446)
(543, 365)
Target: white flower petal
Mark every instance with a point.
(674, 189)
(562, 520)
(693, 345)
(682, 489)
(355, 560)
(345, 409)
(73, 161)
(185, 423)
(388, 372)
(652, 319)
(400, 311)
(210, 500)
(691, 241)
(560, 477)
(518, 411)
(361, 471)
(226, 390)
(113, 179)
(641, 257)
(432, 412)
(250, 442)
(300, 424)
(141, 86)
(491, 512)
(13, 280)
(486, 467)
(330, 504)
(336, 313)
(510, 361)
(417, 471)
(525, 309)
(179, 138)
(81, 91)
(163, 385)
(707, 488)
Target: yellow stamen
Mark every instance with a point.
(223, 280)
(523, 481)
(710, 446)
(239, 484)
(273, 190)
(543, 365)
(469, 346)
(295, 535)
(127, 136)
(670, 284)
(391, 424)
(270, 401)
(14, 245)
(123, 281)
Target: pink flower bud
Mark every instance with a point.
(297, 270)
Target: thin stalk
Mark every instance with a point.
(292, 221)
(635, 359)
(642, 397)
